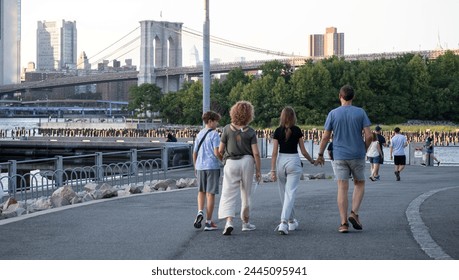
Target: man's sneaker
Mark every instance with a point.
(397, 175)
(343, 228)
(293, 225)
(438, 163)
(282, 228)
(228, 228)
(210, 226)
(354, 220)
(248, 227)
(198, 220)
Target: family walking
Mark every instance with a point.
(237, 148)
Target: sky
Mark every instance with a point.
(368, 26)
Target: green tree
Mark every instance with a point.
(313, 93)
(444, 73)
(145, 99)
(420, 91)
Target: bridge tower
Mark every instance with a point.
(160, 47)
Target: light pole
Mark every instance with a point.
(206, 60)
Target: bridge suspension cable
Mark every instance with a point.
(189, 32)
(231, 44)
(114, 43)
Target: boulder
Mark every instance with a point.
(164, 184)
(135, 189)
(187, 183)
(63, 196)
(9, 202)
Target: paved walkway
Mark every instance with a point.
(414, 219)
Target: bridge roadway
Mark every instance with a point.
(413, 219)
(99, 77)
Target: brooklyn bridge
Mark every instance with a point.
(160, 64)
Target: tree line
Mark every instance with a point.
(390, 90)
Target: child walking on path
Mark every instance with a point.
(286, 166)
(207, 168)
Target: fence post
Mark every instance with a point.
(12, 172)
(59, 171)
(133, 156)
(99, 168)
(165, 158)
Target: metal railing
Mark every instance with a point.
(44, 176)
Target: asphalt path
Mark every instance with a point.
(412, 219)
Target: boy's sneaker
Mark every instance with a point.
(282, 228)
(210, 226)
(198, 220)
(248, 227)
(228, 228)
(293, 225)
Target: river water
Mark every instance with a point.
(447, 155)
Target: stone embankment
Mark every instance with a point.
(65, 195)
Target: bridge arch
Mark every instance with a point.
(160, 47)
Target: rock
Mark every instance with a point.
(266, 178)
(90, 187)
(134, 189)
(104, 190)
(42, 203)
(14, 210)
(88, 197)
(9, 202)
(62, 196)
(187, 183)
(319, 176)
(164, 184)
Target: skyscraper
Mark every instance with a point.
(56, 45)
(10, 42)
(328, 44)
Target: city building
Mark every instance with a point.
(56, 45)
(328, 44)
(10, 42)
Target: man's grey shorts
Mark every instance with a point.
(344, 168)
(208, 180)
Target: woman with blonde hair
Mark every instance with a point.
(286, 166)
(239, 150)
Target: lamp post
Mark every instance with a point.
(206, 60)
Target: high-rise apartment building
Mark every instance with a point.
(328, 44)
(56, 45)
(10, 42)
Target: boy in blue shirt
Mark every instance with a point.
(207, 168)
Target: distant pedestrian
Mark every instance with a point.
(429, 145)
(170, 138)
(207, 168)
(398, 142)
(347, 123)
(286, 166)
(239, 149)
(374, 154)
(382, 143)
